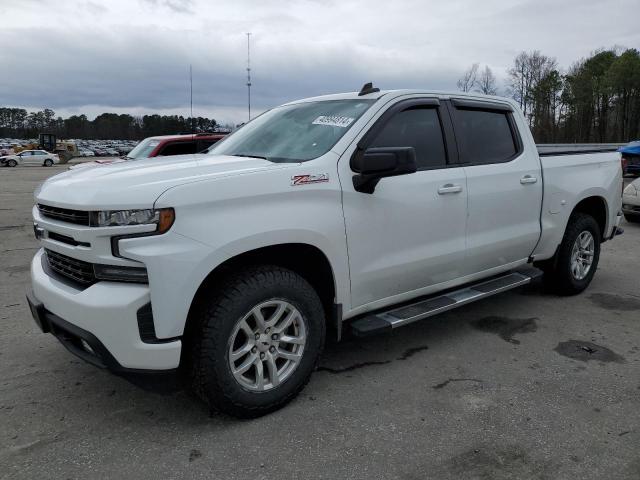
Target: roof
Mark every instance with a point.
(188, 136)
(399, 93)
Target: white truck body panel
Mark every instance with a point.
(404, 241)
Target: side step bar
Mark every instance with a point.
(400, 316)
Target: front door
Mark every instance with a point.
(410, 232)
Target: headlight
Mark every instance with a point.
(631, 190)
(163, 218)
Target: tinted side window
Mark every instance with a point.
(204, 144)
(178, 148)
(484, 136)
(418, 128)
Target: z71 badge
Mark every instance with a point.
(310, 178)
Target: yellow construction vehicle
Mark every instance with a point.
(65, 149)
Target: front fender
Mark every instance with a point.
(218, 220)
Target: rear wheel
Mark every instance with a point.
(577, 258)
(259, 339)
(48, 162)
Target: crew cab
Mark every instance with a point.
(363, 211)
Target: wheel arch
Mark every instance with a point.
(596, 206)
(302, 258)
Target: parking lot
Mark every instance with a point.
(523, 385)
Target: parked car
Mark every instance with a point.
(631, 158)
(30, 157)
(631, 202)
(366, 211)
(165, 145)
(87, 153)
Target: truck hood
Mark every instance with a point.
(138, 183)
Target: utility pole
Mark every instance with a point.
(191, 94)
(249, 73)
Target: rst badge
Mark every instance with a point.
(309, 178)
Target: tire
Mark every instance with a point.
(12, 163)
(561, 275)
(217, 333)
(48, 162)
(632, 218)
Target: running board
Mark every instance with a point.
(400, 316)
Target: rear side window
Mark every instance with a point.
(417, 127)
(178, 148)
(205, 144)
(484, 136)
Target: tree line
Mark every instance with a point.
(18, 123)
(596, 100)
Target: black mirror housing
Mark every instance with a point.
(375, 163)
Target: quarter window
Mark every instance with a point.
(417, 127)
(484, 136)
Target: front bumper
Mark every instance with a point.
(629, 206)
(104, 315)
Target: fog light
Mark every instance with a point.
(121, 274)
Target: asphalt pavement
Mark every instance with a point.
(524, 385)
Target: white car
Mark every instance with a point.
(87, 153)
(631, 202)
(367, 210)
(30, 157)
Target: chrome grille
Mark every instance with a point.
(76, 270)
(79, 217)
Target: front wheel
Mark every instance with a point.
(12, 163)
(577, 258)
(258, 341)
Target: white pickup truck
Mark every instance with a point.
(364, 211)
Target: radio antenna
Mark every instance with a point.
(191, 94)
(249, 73)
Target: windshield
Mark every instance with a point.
(294, 133)
(143, 149)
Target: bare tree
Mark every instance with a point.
(486, 83)
(468, 80)
(528, 70)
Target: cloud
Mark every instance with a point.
(136, 55)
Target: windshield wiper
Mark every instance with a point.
(249, 156)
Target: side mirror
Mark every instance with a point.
(375, 163)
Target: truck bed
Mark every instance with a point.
(552, 149)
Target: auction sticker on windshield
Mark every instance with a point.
(333, 121)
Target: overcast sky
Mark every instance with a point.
(79, 56)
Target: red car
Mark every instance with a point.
(166, 145)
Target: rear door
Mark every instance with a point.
(409, 233)
(504, 183)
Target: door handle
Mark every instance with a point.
(528, 179)
(449, 188)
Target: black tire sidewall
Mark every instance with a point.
(578, 224)
(241, 294)
(12, 163)
(48, 162)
